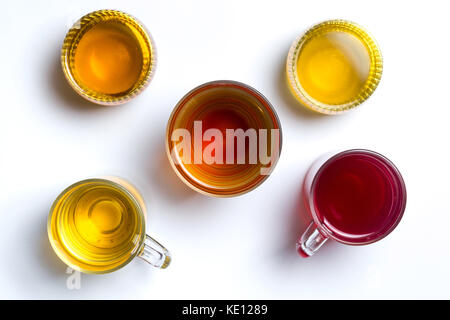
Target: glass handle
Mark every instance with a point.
(154, 253)
(310, 241)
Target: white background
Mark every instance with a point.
(238, 247)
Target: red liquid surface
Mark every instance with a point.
(358, 197)
(224, 118)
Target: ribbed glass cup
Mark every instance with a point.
(371, 83)
(142, 38)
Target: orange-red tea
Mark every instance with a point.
(223, 138)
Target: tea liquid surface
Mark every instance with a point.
(353, 197)
(96, 226)
(108, 58)
(333, 67)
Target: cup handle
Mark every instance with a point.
(155, 253)
(310, 241)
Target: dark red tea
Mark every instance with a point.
(223, 117)
(358, 196)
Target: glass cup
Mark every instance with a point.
(108, 57)
(98, 226)
(355, 197)
(223, 138)
(334, 66)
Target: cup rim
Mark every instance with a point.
(373, 79)
(220, 83)
(75, 34)
(136, 203)
(328, 233)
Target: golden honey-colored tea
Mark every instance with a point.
(334, 66)
(96, 226)
(108, 57)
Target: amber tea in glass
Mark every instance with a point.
(108, 57)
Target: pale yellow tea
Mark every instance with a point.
(334, 66)
(96, 226)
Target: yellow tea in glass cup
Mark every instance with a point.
(98, 226)
(334, 66)
(108, 57)
(223, 138)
